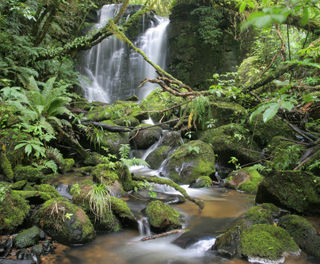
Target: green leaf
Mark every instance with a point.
(271, 112)
(19, 146)
(305, 16)
(28, 149)
(287, 105)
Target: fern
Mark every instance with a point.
(200, 111)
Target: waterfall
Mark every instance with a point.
(144, 227)
(111, 71)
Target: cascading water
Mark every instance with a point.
(112, 71)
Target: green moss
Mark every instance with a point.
(295, 190)
(120, 208)
(102, 173)
(284, 155)
(6, 166)
(190, 161)
(48, 189)
(232, 140)
(162, 217)
(303, 232)
(13, 209)
(203, 181)
(67, 165)
(262, 214)
(65, 222)
(28, 173)
(27, 238)
(267, 242)
(263, 133)
(18, 185)
(156, 157)
(248, 71)
(251, 186)
(225, 112)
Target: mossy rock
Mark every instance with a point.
(13, 209)
(295, 190)
(228, 243)
(81, 197)
(156, 157)
(39, 193)
(190, 161)
(29, 173)
(201, 182)
(103, 174)
(145, 138)
(94, 159)
(123, 212)
(267, 242)
(127, 121)
(303, 232)
(5, 166)
(284, 155)
(169, 141)
(226, 112)
(162, 217)
(19, 185)
(263, 132)
(246, 180)
(65, 222)
(158, 100)
(232, 140)
(27, 238)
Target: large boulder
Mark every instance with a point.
(29, 173)
(190, 161)
(13, 209)
(263, 132)
(302, 231)
(295, 190)
(284, 155)
(145, 138)
(266, 242)
(65, 222)
(162, 217)
(232, 140)
(169, 141)
(201, 182)
(228, 243)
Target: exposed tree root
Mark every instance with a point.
(158, 180)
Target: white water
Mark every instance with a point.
(144, 227)
(112, 71)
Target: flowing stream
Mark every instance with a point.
(111, 71)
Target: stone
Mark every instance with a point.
(65, 222)
(302, 231)
(294, 190)
(201, 182)
(190, 161)
(13, 209)
(27, 238)
(162, 217)
(29, 173)
(145, 138)
(246, 179)
(232, 140)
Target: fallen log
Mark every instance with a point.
(107, 127)
(169, 233)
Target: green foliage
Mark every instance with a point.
(124, 152)
(32, 145)
(200, 111)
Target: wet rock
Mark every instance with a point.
(201, 182)
(162, 217)
(227, 244)
(267, 242)
(103, 174)
(246, 180)
(295, 190)
(65, 222)
(123, 212)
(232, 140)
(27, 238)
(145, 138)
(24, 254)
(13, 209)
(161, 196)
(29, 173)
(47, 247)
(284, 155)
(190, 161)
(5, 248)
(302, 231)
(263, 132)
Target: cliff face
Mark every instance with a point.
(200, 44)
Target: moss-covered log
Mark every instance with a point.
(168, 182)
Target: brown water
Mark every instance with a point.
(221, 207)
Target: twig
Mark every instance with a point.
(172, 232)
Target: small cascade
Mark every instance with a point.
(64, 191)
(202, 246)
(112, 71)
(144, 227)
